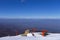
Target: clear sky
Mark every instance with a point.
(29, 8)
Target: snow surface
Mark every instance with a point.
(51, 36)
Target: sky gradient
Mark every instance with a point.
(30, 9)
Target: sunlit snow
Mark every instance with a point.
(51, 36)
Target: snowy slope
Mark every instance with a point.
(36, 37)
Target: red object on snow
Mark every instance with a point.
(43, 32)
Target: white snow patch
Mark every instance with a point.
(30, 37)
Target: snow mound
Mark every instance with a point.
(29, 36)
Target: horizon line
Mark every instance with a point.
(29, 18)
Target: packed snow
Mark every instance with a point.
(51, 36)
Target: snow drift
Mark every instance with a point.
(51, 36)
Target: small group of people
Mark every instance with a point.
(43, 32)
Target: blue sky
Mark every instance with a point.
(29, 8)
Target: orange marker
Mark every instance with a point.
(43, 32)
